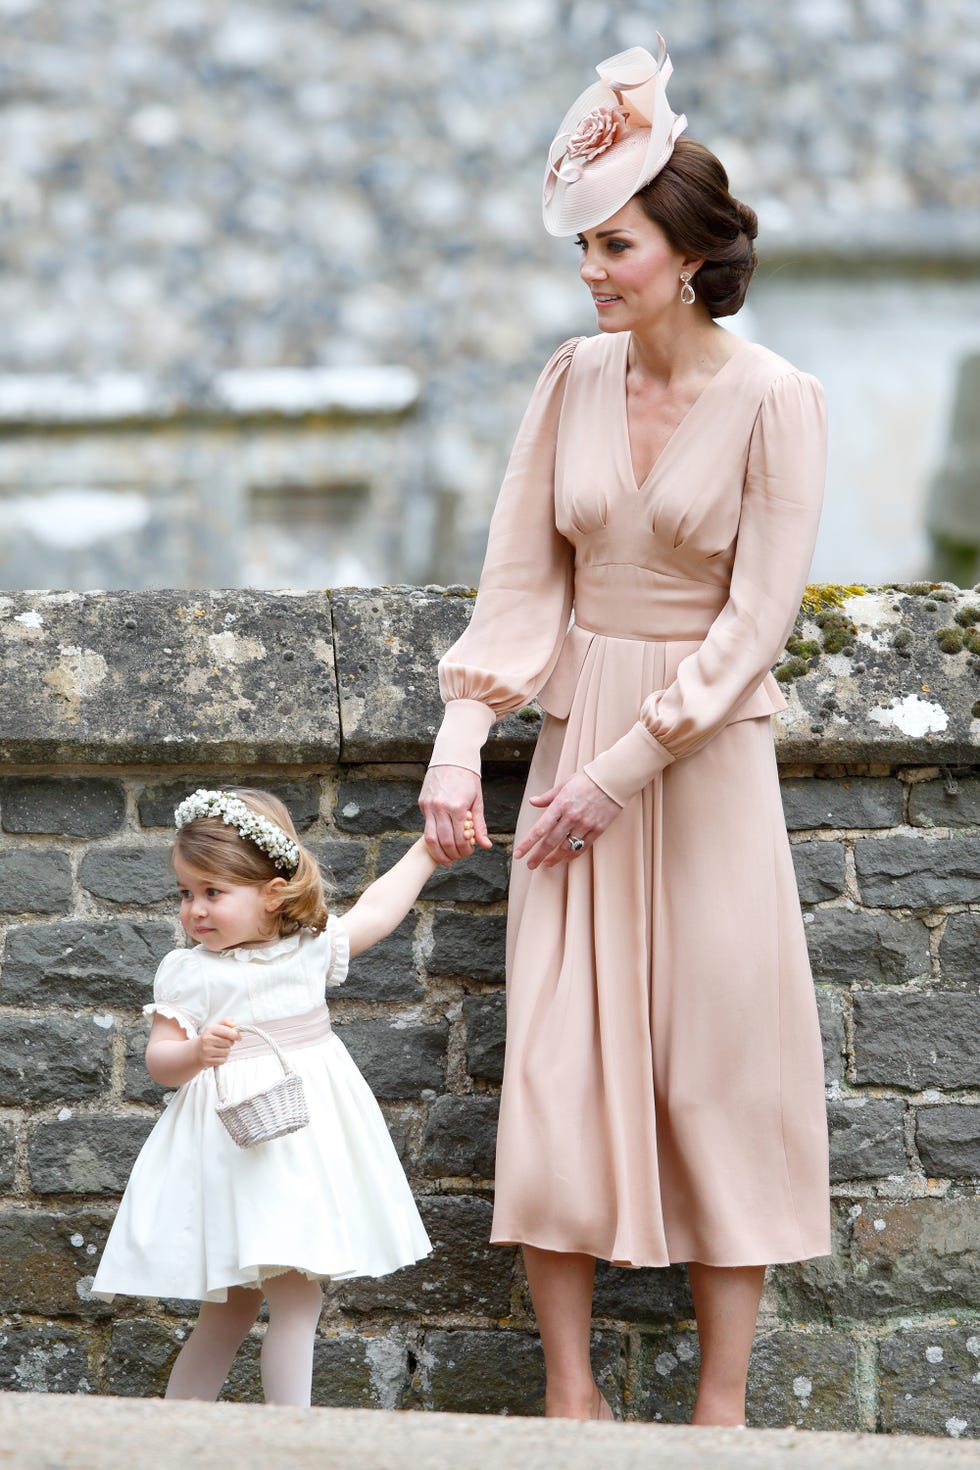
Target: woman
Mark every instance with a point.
(663, 1086)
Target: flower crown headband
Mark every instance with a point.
(266, 835)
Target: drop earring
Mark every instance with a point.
(687, 290)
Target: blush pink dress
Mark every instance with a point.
(663, 1095)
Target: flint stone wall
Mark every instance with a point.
(114, 706)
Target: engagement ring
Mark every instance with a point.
(575, 843)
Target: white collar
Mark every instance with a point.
(275, 949)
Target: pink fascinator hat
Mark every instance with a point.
(614, 139)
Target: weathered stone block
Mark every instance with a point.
(141, 1355)
(352, 1372)
(959, 951)
(642, 1296)
(53, 1059)
(85, 1155)
(470, 945)
(82, 807)
(156, 804)
(930, 1381)
(370, 807)
(460, 1137)
(34, 880)
(665, 1376)
(464, 1272)
(480, 1373)
(917, 1041)
(866, 1138)
(916, 872)
(830, 1012)
(850, 946)
(49, 1259)
(818, 1289)
(138, 1085)
(386, 971)
(43, 1359)
(481, 878)
(808, 1379)
(129, 874)
(933, 804)
(344, 867)
(948, 1140)
(398, 1058)
(863, 801)
(7, 1147)
(819, 870)
(110, 962)
(485, 1017)
(502, 796)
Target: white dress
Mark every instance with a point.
(201, 1214)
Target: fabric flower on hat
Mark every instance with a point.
(598, 131)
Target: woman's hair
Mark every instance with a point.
(691, 202)
(213, 847)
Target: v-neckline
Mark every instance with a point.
(640, 485)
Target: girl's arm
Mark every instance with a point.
(386, 901)
(172, 1058)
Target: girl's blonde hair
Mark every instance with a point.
(213, 847)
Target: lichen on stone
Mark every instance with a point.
(950, 640)
(821, 595)
(793, 668)
(802, 647)
(967, 616)
(838, 631)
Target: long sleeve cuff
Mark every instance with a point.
(629, 765)
(465, 727)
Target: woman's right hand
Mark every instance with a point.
(216, 1041)
(448, 793)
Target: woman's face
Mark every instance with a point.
(631, 269)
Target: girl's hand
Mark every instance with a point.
(448, 794)
(216, 1041)
(575, 808)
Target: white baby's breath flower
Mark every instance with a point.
(266, 835)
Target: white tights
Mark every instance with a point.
(204, 1361)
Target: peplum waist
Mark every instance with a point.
(622, 600)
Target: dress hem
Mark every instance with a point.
(701, 1259)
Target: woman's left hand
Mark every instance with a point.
(577, 808)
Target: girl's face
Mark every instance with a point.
(632, 270)
(221, 915)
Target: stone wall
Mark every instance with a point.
(111, 707)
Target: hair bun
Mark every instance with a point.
(748, 220)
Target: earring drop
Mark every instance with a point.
(687, 290)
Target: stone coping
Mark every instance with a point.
(877, 676)
(40, 1430)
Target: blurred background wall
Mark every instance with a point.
(274, 287)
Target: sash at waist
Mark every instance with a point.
(621, 600)
(292, 1033)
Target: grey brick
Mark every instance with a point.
(49, 1258)
(398, 1059)
(105, 962)
(7, 1147)
(138, 1085)
(141, 1355)
(344, 866)
(959, 951)
(917, 1041)
(502, 1372)
(665, 1376)
(851, 946)
(807, 1379)
(465, 1273)
(470, 945)
(370, 807)
(481, 878)
(644, 1296)
(387, 970)
(866, 1138)
(932, 805)
(485, 1017)
(948, 1140)
(860, 802)
(43, 1359)
(819, 870)
(929, 1381)
(156, 803)
(830, 1012)
(914, 872)
(86, 807)
(460, 1137)
(54, 1059)
(129, 874)
(351, 1372)
(34, 880)
(502, 796)
(85, 1155)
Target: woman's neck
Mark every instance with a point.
(665, 352)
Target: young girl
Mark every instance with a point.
(202, 1218)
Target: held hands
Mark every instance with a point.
(576, 808)
(216, 1041)
(450, 795)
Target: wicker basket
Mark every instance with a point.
(271, 1113)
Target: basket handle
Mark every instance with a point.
(270, 1041)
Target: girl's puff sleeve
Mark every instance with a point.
(525, 597)
(338, 951)
(177, 992)
(777, 528)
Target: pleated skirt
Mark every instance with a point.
(663, 1095)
